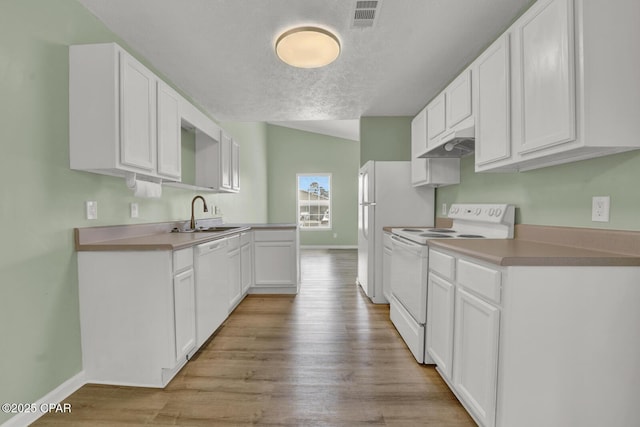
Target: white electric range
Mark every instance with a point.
(410, 264)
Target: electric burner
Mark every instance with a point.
(470, 236)
(441, 230)
(435, 235)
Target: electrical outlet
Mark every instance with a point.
(444, 209)
(134, 210)
(91, 209)
(600, 208)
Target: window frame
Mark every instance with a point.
(329, 176)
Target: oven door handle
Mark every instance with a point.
(406, 244)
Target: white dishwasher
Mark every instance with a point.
(212, 288)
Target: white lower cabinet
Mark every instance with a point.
(184, 310)
(536, 346)
(463, 330)
(475, 355)
(440, 304)
(137, 315)
(387, 253)
(234, 271)
(246, 261)
(276, 263)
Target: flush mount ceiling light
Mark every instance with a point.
(307, 47)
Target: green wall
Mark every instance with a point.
(557, 195)
(293, 151)
(385, 138)
(43, 200)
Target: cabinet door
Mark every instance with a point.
(440, 302)
(137, 115)
(458, 99)
(418, 146)
(235, 166)
(235, 281)
(184, 313)
(169, 140)
(275, 264)
(246, 261)
(493, 101)
(547, 77)
(225, 161)
(436, 123)
(475, 355)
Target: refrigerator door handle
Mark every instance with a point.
(368, 204)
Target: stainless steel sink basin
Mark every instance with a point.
(216, 229)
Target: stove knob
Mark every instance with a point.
(491, 211)
(477, 211)
(498, 212)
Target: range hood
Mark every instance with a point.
(456, 143)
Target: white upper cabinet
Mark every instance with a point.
(217, 162)
(235, 166)
(169, 139)
(115, 121)
(225, 158)
(137, 114)
(493, 103)
(432, 172)
(573, 95)
(545, 68)
(458, 99)
(436, 122)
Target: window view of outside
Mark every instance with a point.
(314, 201)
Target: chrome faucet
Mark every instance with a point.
(193, 220)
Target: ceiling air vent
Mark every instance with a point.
(365, 13)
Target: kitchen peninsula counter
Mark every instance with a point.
(152, 237)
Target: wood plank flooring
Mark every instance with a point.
(326, 357)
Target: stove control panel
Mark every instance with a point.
(493, 213)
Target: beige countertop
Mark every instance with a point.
(514, 252)
(551, 246)
(149, 237)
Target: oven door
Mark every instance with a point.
(409, 277)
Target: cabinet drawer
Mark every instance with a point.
(182, 259)
(482, 280)
(233, 243)
(274, 235)
(245, 238)
(443, 264)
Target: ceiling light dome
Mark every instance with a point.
(307, 47)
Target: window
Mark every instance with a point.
(314, 201)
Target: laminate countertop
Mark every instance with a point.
(150, 237)
(515, 252)
(535, 245)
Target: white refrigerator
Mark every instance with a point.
(386, 198)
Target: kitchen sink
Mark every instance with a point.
(216, 229)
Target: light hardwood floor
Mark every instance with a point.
(326, 357)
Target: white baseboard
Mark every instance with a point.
(329, 247)
(55, 396)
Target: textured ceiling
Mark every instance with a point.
(221, 52)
